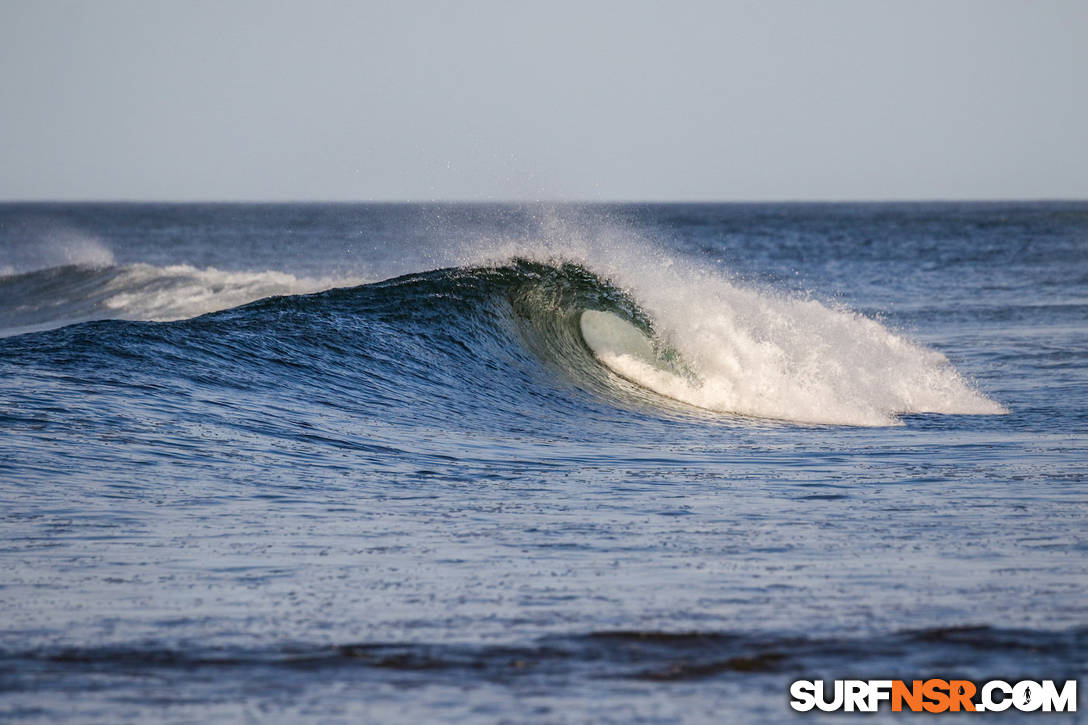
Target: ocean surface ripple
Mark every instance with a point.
(556, 463)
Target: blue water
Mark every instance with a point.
(313, 463)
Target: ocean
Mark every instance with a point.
(535, 463)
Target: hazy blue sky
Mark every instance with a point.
(552, 100)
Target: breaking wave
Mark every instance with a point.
(633, 328)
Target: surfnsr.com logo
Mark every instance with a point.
(934, 695)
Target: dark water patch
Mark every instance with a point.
(620, 654)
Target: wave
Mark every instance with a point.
(646, 332)
(70, 293)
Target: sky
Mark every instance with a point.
(592, 100)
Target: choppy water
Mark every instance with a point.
(550, 463)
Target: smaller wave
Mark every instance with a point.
(176, 292)
(61, 295)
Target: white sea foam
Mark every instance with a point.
(146, 292)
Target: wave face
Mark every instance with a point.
(661, 339)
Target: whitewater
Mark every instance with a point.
(544, 462)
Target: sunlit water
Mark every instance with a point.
(561, 464)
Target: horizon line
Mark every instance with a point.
(556, 201)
